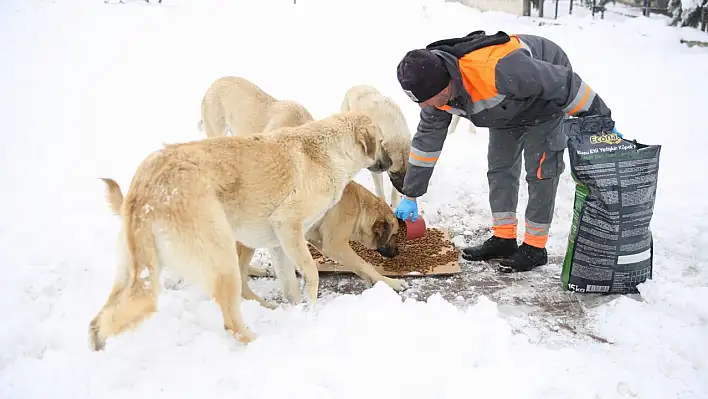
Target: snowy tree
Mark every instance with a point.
(689, 12)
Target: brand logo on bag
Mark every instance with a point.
(611, 138)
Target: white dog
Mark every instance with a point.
(397, 137)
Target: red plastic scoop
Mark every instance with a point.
(415, 230)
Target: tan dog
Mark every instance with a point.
(397, 137)
(188, 202)
(242, 107)
(358, 216)
(238, 106)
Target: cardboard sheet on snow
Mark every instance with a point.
(453, 267)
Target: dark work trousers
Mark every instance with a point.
(543, 146)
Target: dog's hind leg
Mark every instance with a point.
(127, 306)
(199, 244)
(120, 283)
(134, 293)
(245, 254)
(285, 272)
(226, 291)
(211, 249)
(453, 124)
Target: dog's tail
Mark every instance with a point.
(113, 195)
(140, 240)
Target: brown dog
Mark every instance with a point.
(188, 202)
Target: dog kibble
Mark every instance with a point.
(420, 255)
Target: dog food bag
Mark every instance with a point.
(610, 245)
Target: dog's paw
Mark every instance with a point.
(256, 271)
(96, 343)
(173, 283)
(245, 337)
(269, 305)
(397, 285)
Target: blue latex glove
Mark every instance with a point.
(407, 208)
(614, 130)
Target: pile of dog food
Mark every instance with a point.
(420, 255)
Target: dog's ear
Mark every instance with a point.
(366, 137)
(382, 230)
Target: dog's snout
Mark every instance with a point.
(377, 167)
(382, 164)
(388, 251)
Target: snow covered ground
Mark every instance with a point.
(89, 89)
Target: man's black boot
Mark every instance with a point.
(493, 248)
(525, 259)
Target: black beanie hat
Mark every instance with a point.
(422, 75)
